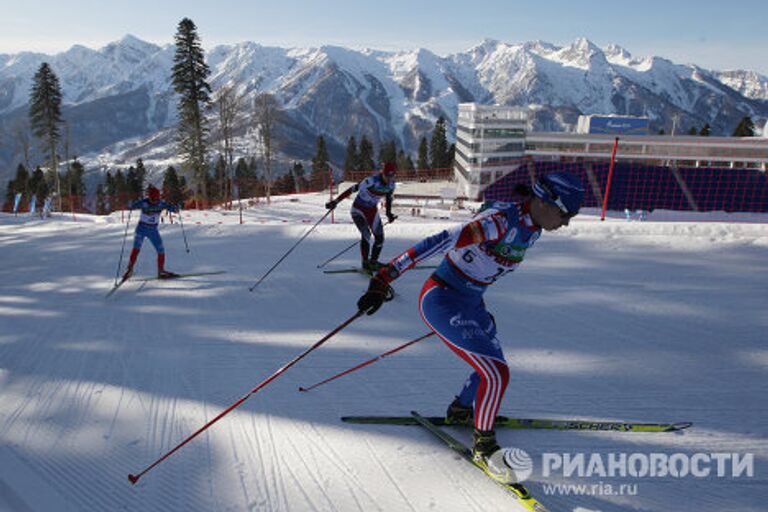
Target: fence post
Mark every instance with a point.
(610, 176)
(330, 190)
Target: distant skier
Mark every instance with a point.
(151, 207)
(494, 243)
(365, 212)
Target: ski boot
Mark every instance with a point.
(165, 274)
(490, 457)
(128, 273)
(458, 414)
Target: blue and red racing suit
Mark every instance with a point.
(451, 301)
(365, 212)
(147, 226)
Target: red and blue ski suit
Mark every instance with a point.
(147, 228)
(365, 212)
(451, 301)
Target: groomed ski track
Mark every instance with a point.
(651, 321)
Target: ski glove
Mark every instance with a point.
(331, 204)
(372, 300)
(391, 217)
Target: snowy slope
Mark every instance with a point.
(653, 321)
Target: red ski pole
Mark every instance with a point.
(135, 478)
(366, 363)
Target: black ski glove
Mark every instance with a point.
(331, 204)
(372, 300)
(391, 217)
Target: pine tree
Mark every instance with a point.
(75, 185)
(220, 178)
(21, 181)
(404, 162)
(365, 162)
(101, 200)
(320, 164)
(706, 130)
(134, 184)
(298, 175)
(438, 148)
(121, 191)
(422, 160)
(189, 81)
(173, 187)
(45, 117)
(38, 185)
(351, 161)
(387, 153)
(746, 128)
(244, 178)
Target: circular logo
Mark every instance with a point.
(520, 463)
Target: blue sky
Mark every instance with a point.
(714, 34)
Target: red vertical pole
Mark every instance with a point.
(610, 176)
(330, 190)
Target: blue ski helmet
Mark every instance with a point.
(562, 189)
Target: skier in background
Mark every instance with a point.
(151, 207)
(365, 212)
(494, 243)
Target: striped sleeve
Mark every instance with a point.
(437, 243)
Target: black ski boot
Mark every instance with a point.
(458, 414)
(490, 457)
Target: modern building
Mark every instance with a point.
(492, 141)
(489, 142)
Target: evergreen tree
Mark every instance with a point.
(141, 175)
(73, 186)
(438, 148)
(693, 131)
(746, 128)
(189, 81)
(351, 161)
(110, 191)
(706, 130)
(387, 153)
(320, 164)
(404, 162)
(45, 117)
(102, 207)
(298, 175)
(422, 160)
(39, 186)
(365, 162)
(121, 191)
(220, 178)
(21, 181)
(173, 186)
(133, 184)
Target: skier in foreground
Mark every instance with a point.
(451, 301)
(365, 212)
(151, 207)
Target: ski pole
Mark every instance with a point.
(135, 478)
(183, 233)
(342, 252)
(289, 251)
(122, 250)
(339, 254)
(366, 363)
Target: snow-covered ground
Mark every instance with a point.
(648, 321)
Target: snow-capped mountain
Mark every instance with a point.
(119, 102)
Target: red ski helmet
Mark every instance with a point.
(389, 169)
(153, 193)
